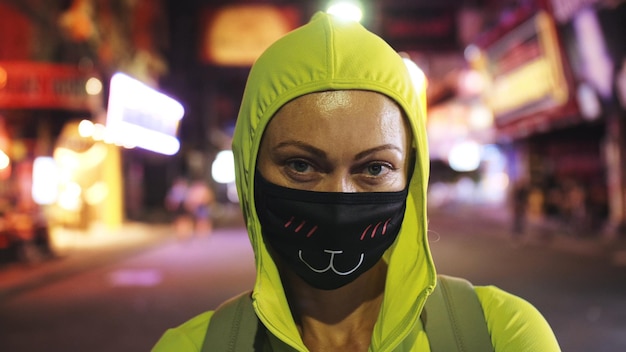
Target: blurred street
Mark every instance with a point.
(122, 298)
(117, 118)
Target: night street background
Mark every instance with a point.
(126, 303)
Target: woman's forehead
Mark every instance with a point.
(328, 117)
(338, 99)
(320, 105)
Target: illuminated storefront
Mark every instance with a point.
(36, 101)
(551, 79)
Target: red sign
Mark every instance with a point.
(16, 32)
(34, 85)
(415, 28)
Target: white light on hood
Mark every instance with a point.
(417, 75)
(348, 10)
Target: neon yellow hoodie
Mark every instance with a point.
(330, 54)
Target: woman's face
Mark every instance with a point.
(337, 141)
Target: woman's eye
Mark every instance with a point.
(376, 169)
(299, 165)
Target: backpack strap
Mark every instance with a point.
(453, 318)
(234, 327)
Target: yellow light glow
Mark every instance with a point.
(522, 86)
(238, 34)
(3, 77)
(4, 160)
(93, 86)
(86, 128)
(97, 193)
(66, 159)
(480, 117)
(71, 160)
(69, 198)
(99, 132)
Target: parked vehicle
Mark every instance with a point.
(24, 237)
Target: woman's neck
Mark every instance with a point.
(341, 319)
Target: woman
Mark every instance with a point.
(332, 169)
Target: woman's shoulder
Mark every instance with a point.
(514, 323)
(186, 337)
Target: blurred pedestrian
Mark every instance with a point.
(199, 202)
(574, 209)
(175, 203)
(519, 205)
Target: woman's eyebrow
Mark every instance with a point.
(301, 145)
(322, 154)
(367, 152)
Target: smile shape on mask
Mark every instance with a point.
(330, 263)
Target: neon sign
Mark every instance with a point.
(141, 116)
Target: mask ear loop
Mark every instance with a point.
(432, 236)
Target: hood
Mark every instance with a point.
(345, 56)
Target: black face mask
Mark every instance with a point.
(328, 238)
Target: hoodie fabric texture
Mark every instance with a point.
(330, 54)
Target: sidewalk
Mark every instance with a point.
(494, 220)
(76, 251)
